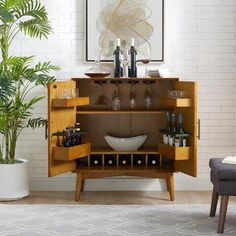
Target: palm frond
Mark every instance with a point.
(32, 8)
(36, 28)
(36, 123)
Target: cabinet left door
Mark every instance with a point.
(62, 114)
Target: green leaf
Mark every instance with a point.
(35, 28)
(36, 123)
(5, 16)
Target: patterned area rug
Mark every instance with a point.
(168, 220)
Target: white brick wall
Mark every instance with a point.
(200, 45)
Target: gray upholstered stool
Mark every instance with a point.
(223, 178)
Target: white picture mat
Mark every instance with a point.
(93, 7)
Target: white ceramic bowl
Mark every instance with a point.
(125, 144)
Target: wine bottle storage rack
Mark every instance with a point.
(71, 153)
(70, 102)
(132, 161)
(175, 153)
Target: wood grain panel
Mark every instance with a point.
(190, 125)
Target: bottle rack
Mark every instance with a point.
(131, 162)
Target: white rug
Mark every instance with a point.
(168, 220)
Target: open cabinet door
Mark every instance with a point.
(190, 125)
(58, 119)
(62, 114)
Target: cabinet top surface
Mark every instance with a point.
(127, 79)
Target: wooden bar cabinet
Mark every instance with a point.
(100, 120)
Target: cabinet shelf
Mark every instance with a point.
(71, 153)
(104, 150)
(121, 112)
(70, 102)
(176, 102)
(175, 153)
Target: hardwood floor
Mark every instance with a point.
(118, 198)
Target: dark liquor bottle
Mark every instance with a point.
(133, 61)
(118, 57)
(173, 130)
(167, 129)
(78, 140)
(67, 138)
(179, 142)
(73, 136)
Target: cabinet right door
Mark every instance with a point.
(190, 124)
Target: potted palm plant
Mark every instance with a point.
(19, 76)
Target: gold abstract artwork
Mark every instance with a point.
(124, 19)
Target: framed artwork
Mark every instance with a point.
(107, 20)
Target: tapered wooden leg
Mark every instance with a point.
(214, 201)
(82, 187)
(170, 186)
(79, 185)
(223, 211)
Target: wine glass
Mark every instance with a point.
(145, 56)
(132, 97)
(101, 100)
(148, 97)
(116, 102)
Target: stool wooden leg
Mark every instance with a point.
(222, 216)
(170, 186)
(214, 202)
(79, 185)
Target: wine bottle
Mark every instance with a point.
(95, 160)
(179, 140)
(123, 160)
(133, 61)
(153, 160)
(138, 160)
(110, 160)
(173, 130)
(118, 57)
(167, 129)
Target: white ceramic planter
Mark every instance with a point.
(14, 180)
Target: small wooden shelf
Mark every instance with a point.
(126, 79)
(70, 102)
(175, 153)
(71, 153)
(121, 112)
(176, 102)
(104, 150)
